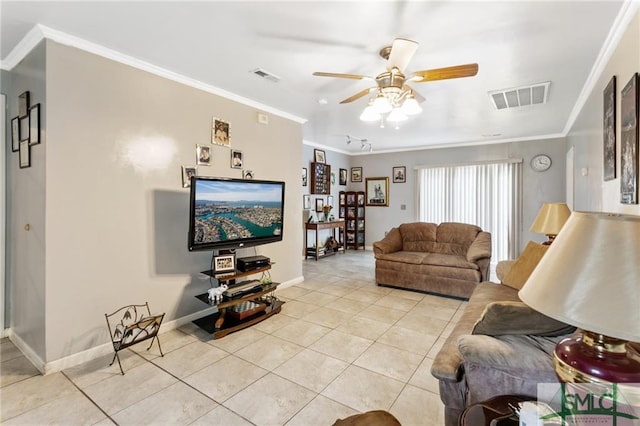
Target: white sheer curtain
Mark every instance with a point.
(484, 194)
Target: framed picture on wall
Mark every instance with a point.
(203, 155)
(629, 142)
(187, 172)
(23, 104)
(319, 156)
(319, 204)
(34, 125)
(220, 132)
(305, 176)
(609, 130)
(399, 174)
(377, 191)
(356, 174)
(306, 201)
(25, 154)
(236, 159)
(15, 134)
(343, 176)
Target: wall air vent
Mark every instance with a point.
(534, 94)
(266, 75)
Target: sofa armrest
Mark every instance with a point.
(480, 248)
(503, 267)
(391, 243)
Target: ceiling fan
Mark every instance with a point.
(392, 90)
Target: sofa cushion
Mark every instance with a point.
(524, 265)
(411, 257)
(509, 317)
(418, 236)
(455, 238)
(450, 260)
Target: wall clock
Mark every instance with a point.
(541, 162)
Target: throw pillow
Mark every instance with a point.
(524, 265)
(500, 318)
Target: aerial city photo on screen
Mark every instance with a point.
(228, 211)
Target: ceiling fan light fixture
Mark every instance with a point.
(396, 115)
(410, 106)
(369, 114)
(381, 104)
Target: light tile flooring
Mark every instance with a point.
(341, 345)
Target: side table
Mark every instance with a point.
(495, 411)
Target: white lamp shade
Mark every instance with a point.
(369, 114)
(396, 115)
(590, 275)
(410, 106)
(381, 104)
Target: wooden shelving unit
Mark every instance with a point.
(351, 208)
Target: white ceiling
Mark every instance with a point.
(217, 43)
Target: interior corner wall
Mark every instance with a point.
(116, 211)
(26, 193)
(592, 193)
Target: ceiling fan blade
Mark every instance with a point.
(338, 75)
(402, 51)
(358, 95)
(468, 70)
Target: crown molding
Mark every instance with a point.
(40, 32)
(627, 12)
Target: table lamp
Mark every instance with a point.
(590, 278)
(550, 220)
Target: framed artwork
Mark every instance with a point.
(34, 125)
(247, 174)
(15, 134)
(24, 128)
(343, 176)
(319, 156)
(224, 263)
(220, 132)
(305, 176)
(399, 174)
(342, 199)
(203, 155)
(306, 201)
(25, 154)
(360, 199)
(629, 142)
(356, 174)
(319, 204)
(330, 200)
(187, 172)
(23, 104)
(609, 130)
(377, 191)
(236, 159)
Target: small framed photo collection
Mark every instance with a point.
(25, 129)
(224, 263)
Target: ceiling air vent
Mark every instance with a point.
(266, 74)
(521, 96)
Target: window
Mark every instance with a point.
(484, 194)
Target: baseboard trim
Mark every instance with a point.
(95, 352)
(290, 283)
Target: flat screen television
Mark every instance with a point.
(227, 213)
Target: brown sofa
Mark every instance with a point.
(450, 258)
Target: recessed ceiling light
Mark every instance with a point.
(323, 101)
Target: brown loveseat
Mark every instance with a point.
(450, 258)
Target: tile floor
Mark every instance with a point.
(341, 345)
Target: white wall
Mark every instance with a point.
(591, 192)
(116, 212)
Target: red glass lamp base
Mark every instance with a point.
(595, 358)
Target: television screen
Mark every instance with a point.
(233, 213)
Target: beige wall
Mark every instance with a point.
(116, 212)
(591, 191)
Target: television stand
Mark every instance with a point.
(253, 304)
